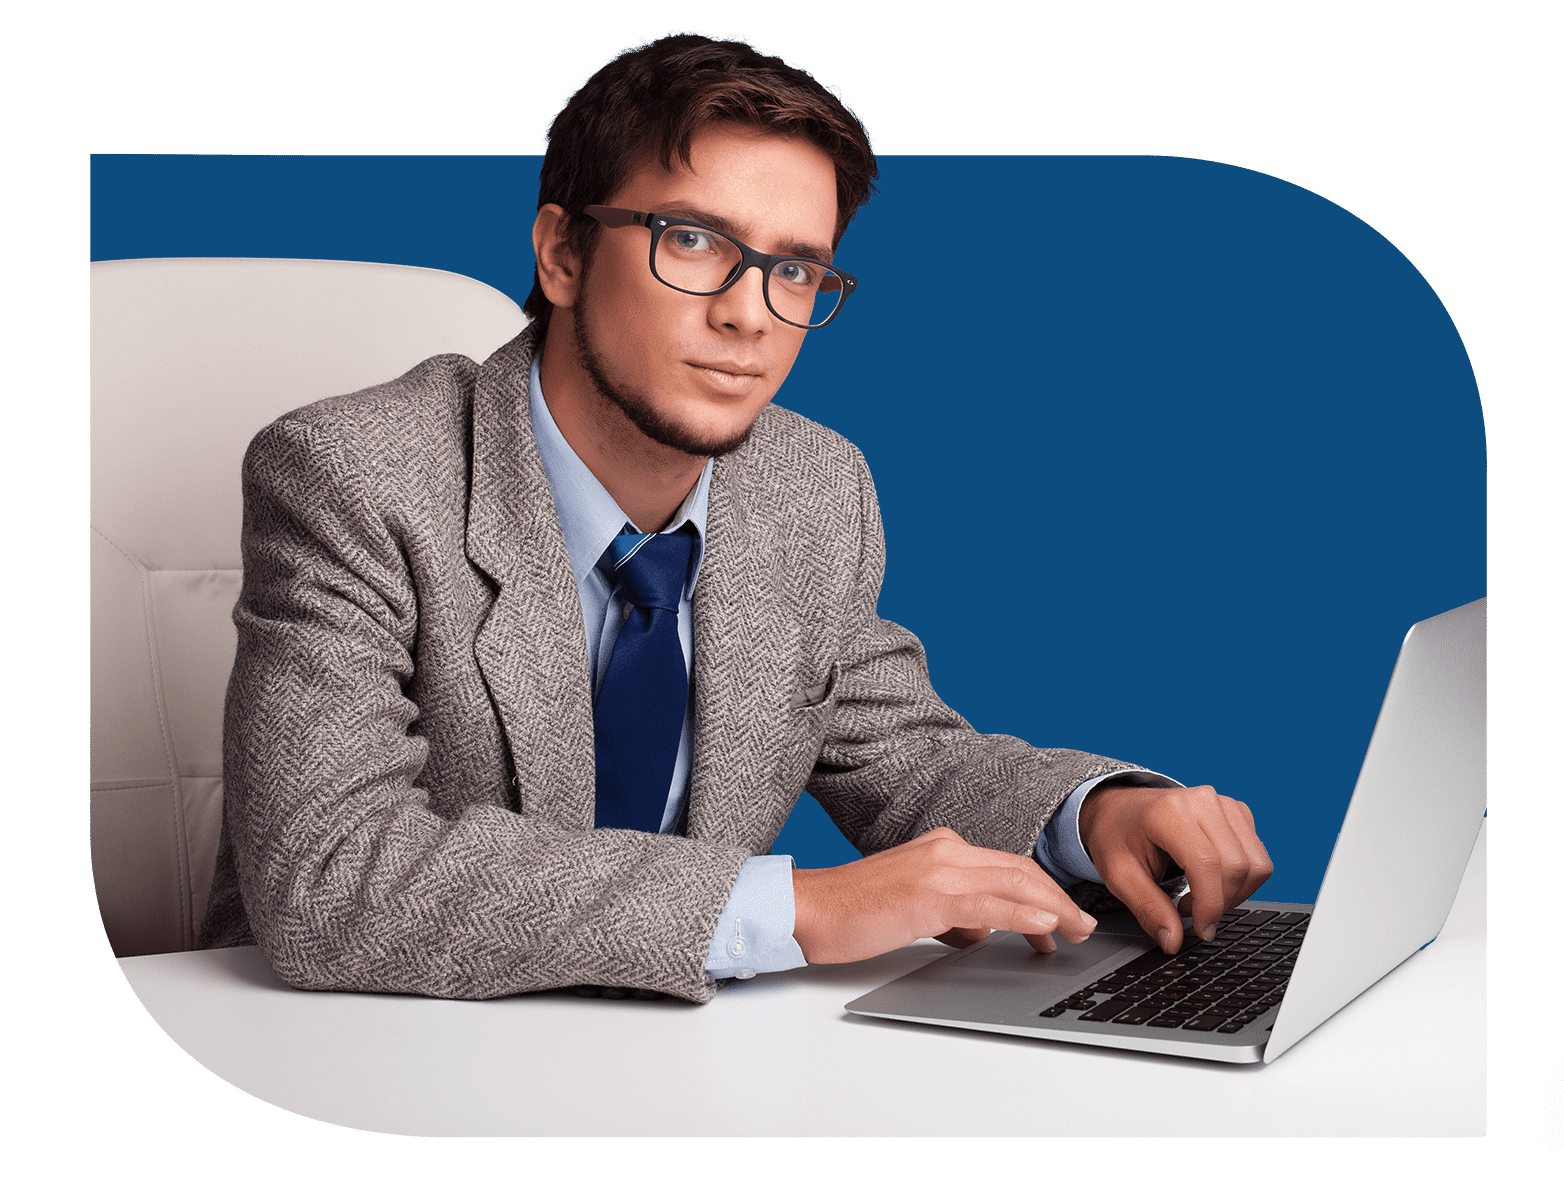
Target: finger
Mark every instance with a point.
(1258, 862)
(1228, 833)
(1239, 850)
(962, 938)
(1131, 880)
(1024, 884)
(1231, 855)
(1043, 943)
(989, 910)
(1195, 834)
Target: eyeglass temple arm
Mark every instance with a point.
(615, 218)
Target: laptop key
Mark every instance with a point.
(1106, 1011)
(1135, 1016)
(1147, 962)
(1205, 1024)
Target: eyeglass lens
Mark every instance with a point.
(697, 260)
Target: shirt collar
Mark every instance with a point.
(588, 515)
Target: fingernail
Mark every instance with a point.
(1089, 921)
(1208, 932)
(1166, 940)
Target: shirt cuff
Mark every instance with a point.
(755, 931)
(1060, 850)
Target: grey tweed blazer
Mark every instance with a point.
(407, 750)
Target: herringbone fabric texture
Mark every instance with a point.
(408, 750)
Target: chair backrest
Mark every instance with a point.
(190, 358)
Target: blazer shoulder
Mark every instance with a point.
(801, 484)
(403, 446)
(422, 399)
(786, 445)
(420, 417)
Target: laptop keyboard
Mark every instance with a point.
(1223, 985)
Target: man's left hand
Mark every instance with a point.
(1133, 834)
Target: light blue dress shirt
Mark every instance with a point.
(755, 932)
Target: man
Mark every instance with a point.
(535, 657)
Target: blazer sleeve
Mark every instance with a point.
(897, 762)
(349, 878)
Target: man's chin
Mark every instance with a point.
(649, 419)
(667, 430)
(676, 436)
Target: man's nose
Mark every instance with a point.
(743, 306)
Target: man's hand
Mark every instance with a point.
(937, 885)
(1133, 833)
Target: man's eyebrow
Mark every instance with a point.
(677, 208)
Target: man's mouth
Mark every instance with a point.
(729, 367)
(729, 376)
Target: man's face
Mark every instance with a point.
(694, 372)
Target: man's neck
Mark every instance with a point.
(646, 479)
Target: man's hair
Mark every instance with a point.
(653, 99)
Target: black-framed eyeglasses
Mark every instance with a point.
(701, 261)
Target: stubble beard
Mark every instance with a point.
(640, 409)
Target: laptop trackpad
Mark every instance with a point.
(1085, 959)
(1001, 980)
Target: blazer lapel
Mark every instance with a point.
(743, 658)
(531, 647)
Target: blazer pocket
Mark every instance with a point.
(814, 697)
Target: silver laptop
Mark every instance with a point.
(1275, 971)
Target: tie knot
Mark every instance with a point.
(650, 568)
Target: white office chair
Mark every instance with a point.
(190, 358)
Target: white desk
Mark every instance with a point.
(777, 1055)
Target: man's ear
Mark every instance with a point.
(559, 267)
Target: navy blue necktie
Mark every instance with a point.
(639, 715)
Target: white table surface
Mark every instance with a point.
(777, 1055)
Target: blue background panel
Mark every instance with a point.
(1196, 446)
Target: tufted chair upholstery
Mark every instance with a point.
(190, 357)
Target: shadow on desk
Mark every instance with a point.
(248, 965)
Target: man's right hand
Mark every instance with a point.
(937, 885)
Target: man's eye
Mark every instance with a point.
(694, 241)
(797, 274)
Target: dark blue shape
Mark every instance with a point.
(1238, 422)
(639, 714)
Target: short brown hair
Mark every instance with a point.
(655, 97)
